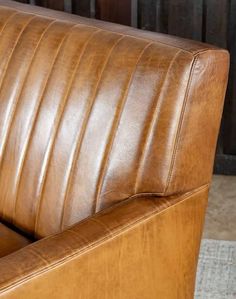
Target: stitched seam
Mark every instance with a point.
(84, 48)
(180, 123)
(123, 34)
(8, 20)
(16, 42)
(34, 119)
(154, 118)
(74, 233)
(34, 53)
(112, 136)
(107, 229)
(38, 109)
(95, 244)
(160, 194)
(85, 123)
(2, 81)
(57, 121)
(48, 78)
(13, 109)
(203, 51)
(118, 204)
(196, 57)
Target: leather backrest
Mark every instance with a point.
(91, 115)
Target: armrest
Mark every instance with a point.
(138, 243)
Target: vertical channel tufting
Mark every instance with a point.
(26, 197)
(26, 47)
(51, 47)
(10, 33)
(132, 136)
(27, 120)
(86, 115)
(112, 134)
(85, 122)
(13, 33)
(59, 107)
(163, 124)
(5, 16)
(65, 95)
(78, 102)
(42, 26)
(29, 41)
(114, 79)
(10, 99)
(153, 123)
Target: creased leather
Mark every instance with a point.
(93, 113)
(136, 249)
(97, 116)
(10, 240)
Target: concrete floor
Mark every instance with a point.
(220, 221)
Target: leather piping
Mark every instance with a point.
(129, 35)
(97, 243)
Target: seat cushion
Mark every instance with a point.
(10, 240)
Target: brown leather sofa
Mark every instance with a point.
(107, 141)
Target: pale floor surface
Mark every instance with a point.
(220, 221)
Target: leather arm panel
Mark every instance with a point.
(103, 256)
(189, 157)
(195, 142)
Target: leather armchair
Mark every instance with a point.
(107, 142)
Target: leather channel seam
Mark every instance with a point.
(33, 120)
(152, 124)
(8, 20)
(38, 108)
(115, 127)
(84, 125)
(77, 66)
(13, 109)
(58, 118)
(11, 116)
(134, 196)
(128, 35)
(180, 124)
(45, 170)
(97, 243)
(196, 58)
(48, 78)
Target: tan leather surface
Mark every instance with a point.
(141, 249)
(192, 46)
(93, 113)
(10, 240)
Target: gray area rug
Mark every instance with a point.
(216, 277)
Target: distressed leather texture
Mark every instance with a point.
(138, 249)
(91, 116)
(97, 116)
(11, 241)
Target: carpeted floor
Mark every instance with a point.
(216, 278)
(221, 212)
